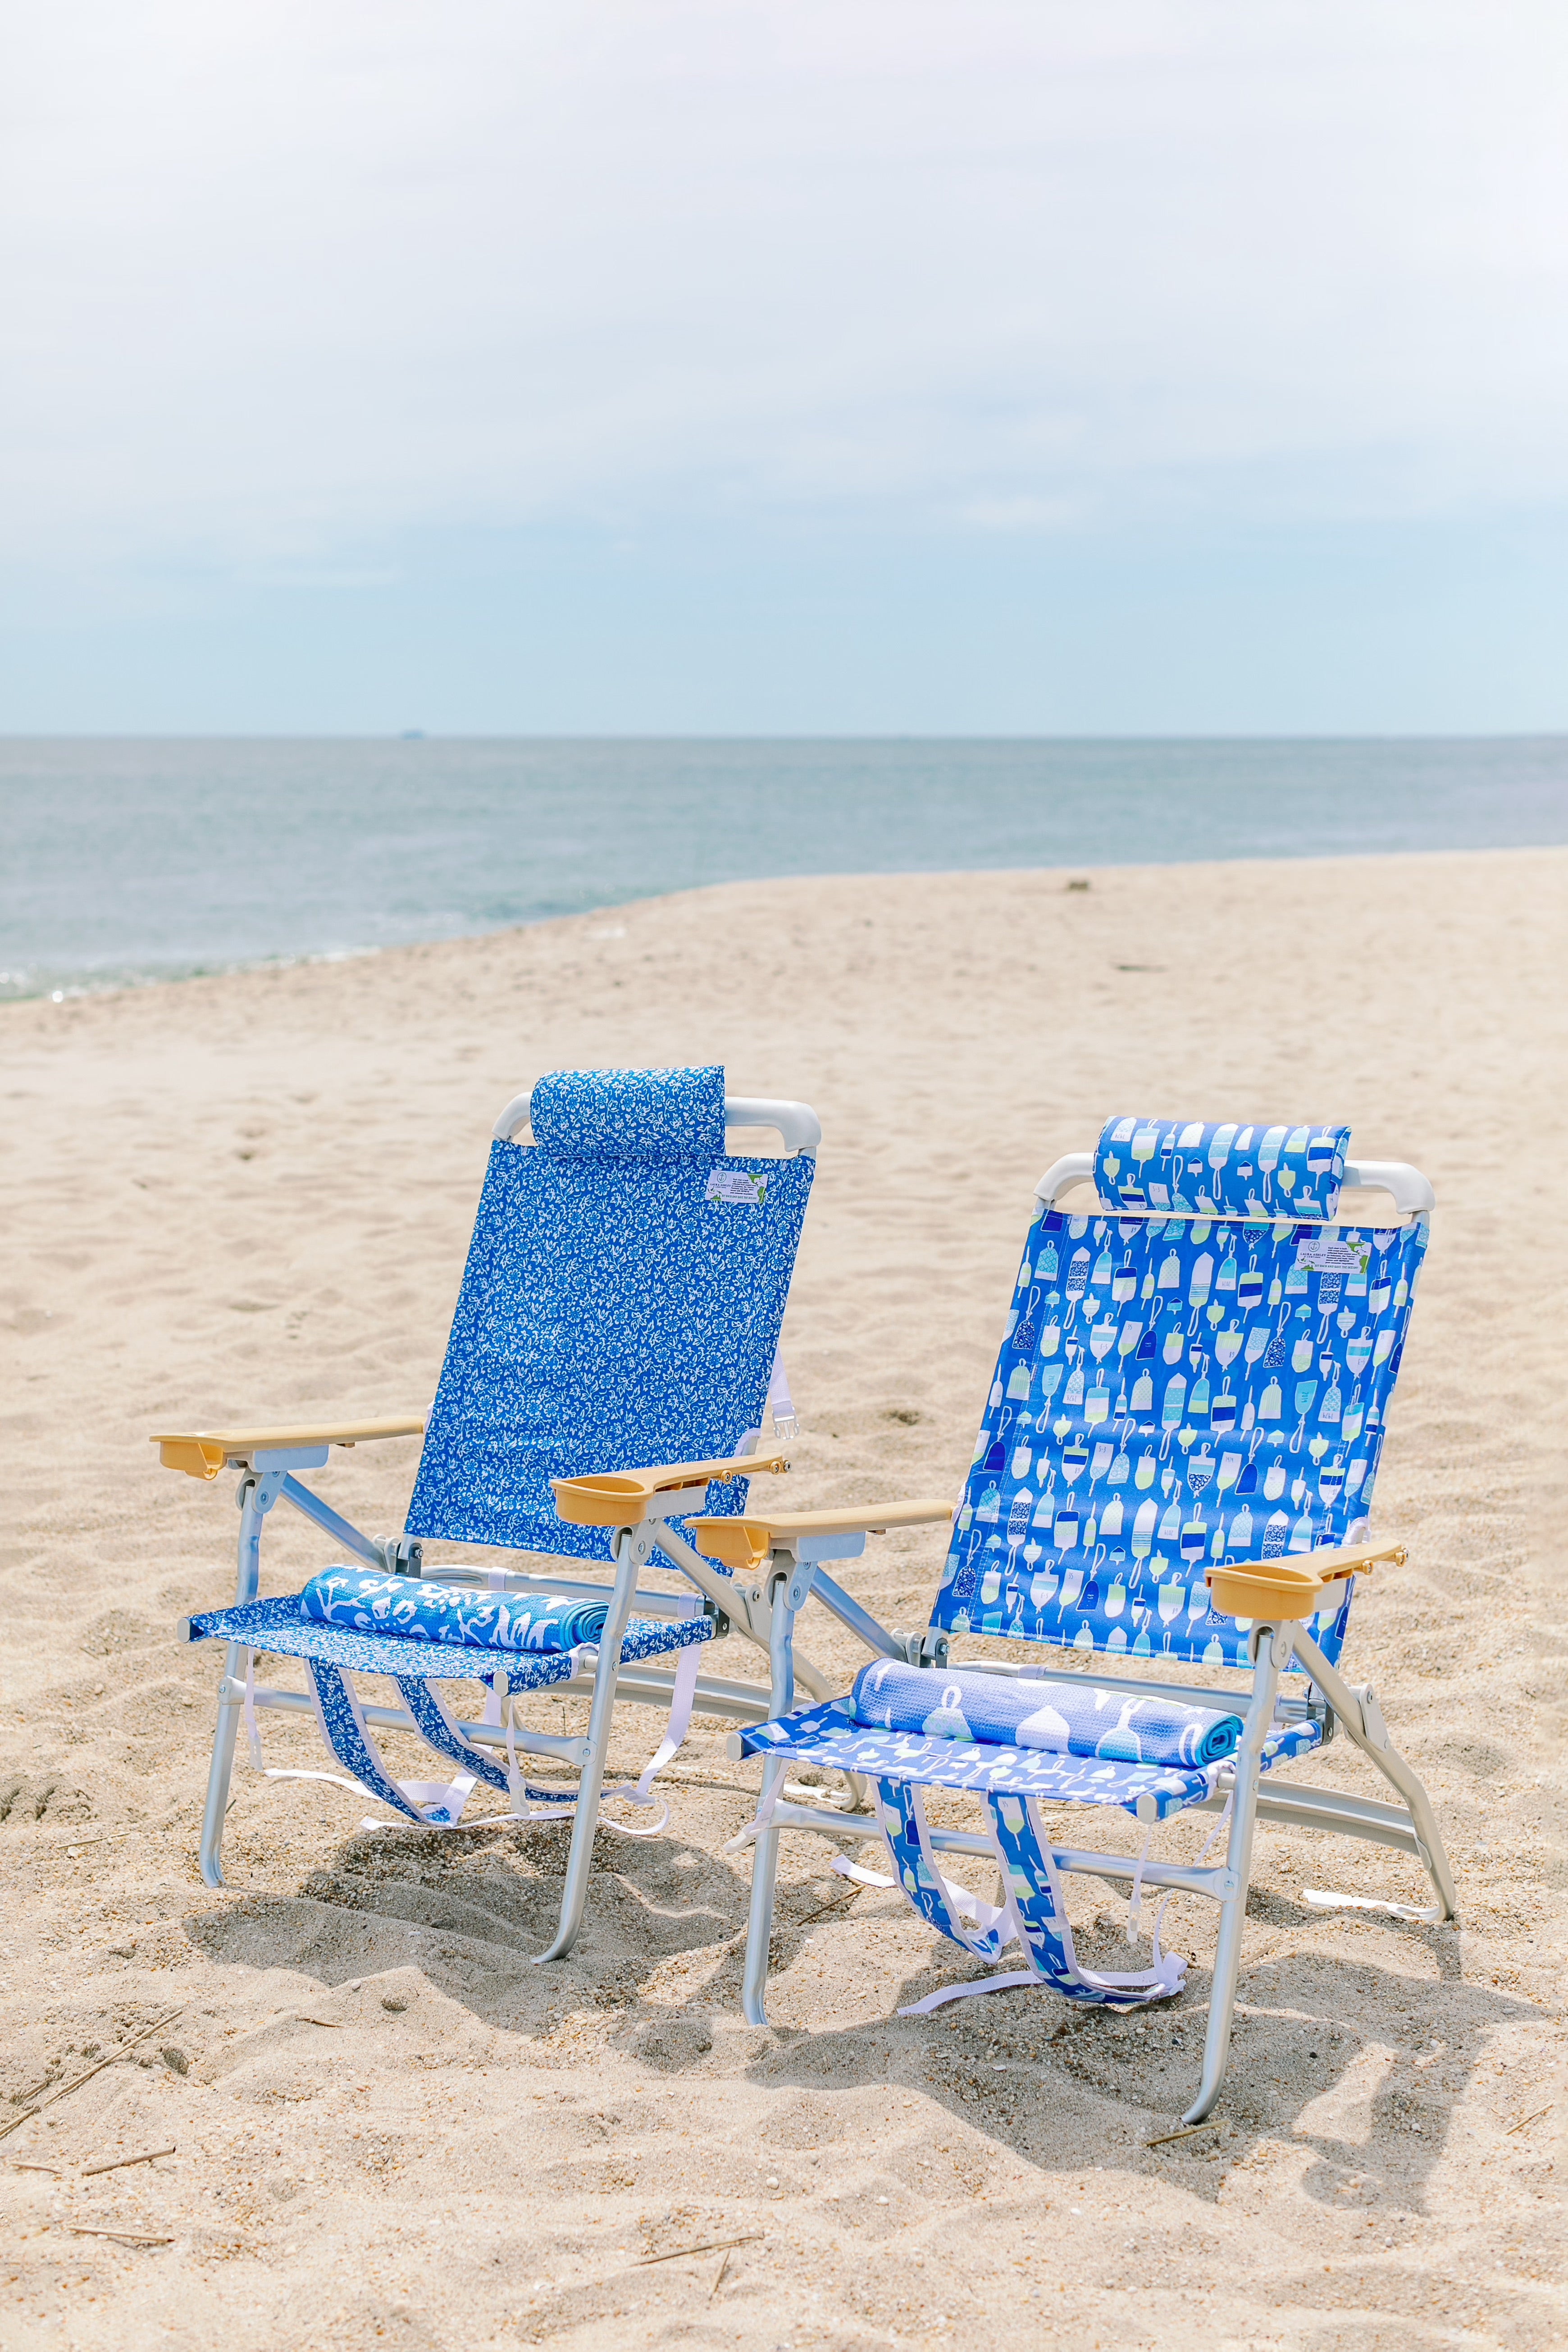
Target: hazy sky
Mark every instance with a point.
(995, 366)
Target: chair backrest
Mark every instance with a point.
(1175, 1389)
(620, 1303)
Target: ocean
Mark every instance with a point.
(124, 862)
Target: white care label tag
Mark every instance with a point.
(1333, 1257)
(733, 1184)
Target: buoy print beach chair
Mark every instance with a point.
(620, 1305)
(1176, 1465)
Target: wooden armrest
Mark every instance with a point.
(1271, 1591)
(745, 1544)
(615, 1499)
(202, 1453)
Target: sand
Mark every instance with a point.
(250, 1196)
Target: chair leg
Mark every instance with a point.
(1221, 2005)
(256, 1496)
(225, 1733)
(1362, 1718)
(579, 1856)
(759, 1916)
(764, 1852)
(1271, 1652)
(634, 1554)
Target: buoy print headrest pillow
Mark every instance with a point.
(1221, 1168)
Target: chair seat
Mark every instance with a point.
(826, 1735)
(280, 1628)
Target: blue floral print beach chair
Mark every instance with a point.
(620, 1303)
(1176, 1470)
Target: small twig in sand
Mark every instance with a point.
(116, 2162)
(126, 2237)
(708, 2246)
(19, 2166)
(78, 2080)
(300, 2019)
(1190, 2131)
(835, 1903)
(1533, 2117)
(719, 2275)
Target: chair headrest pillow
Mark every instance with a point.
(629, 1114)
(1220, 1166)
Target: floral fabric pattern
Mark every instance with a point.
(1170, 1393)
(615, 1310)
(629, 1114)
(281, 1628)
(1221, 1168)
(437, 1730)
(343, 1726)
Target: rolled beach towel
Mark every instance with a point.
(360, 1601)
(1060, 1713)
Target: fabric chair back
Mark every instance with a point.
(620, 1305)
(1174, 1390)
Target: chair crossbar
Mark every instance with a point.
(646, 1601)
(1215, 1882)
(646, 1686)
(331, 1522)
(397, 1718)
(1331, 1809)
(1229, 1702)
(860, 1623)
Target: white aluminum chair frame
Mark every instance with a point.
(268, 1476)
(1408, 1827)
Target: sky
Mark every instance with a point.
(841, 366)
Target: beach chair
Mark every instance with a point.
(1177, 1468)
(621, 1301)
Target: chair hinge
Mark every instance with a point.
(404, 1555)
(796, 1585)
(1372, 1722)
(1314, 1708)
(928, 1647)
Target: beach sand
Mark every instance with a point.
(249, 1197)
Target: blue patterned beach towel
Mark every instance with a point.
(361, 1602)
(1060, 1713)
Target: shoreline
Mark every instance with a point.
(77, 991)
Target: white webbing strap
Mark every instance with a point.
(449, 1796)
(675, 1730)
(996, 1923)
(1202, 1857)
(1322, 1899)
(1136, 1894)
(527, 1804)
(638, 1792)
(780, 1404)
(1014, 1979)
(773, 1773)
(252, 1728)
(863, 1878)
(1128, 1989)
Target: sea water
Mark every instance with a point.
(128, 861)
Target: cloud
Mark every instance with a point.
(286, 282)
